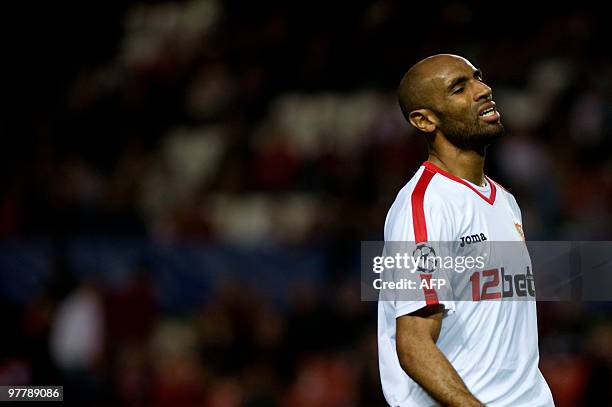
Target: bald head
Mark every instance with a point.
(445, 95)
(419, 86)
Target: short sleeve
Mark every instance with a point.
(401, 237)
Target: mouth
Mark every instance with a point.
(489, 113)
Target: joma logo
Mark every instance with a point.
(478, 237)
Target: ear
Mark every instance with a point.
(423, 120)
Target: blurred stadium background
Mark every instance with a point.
(185, 185)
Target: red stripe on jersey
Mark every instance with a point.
(420, 226)
(431, 298)
(418, 212)
(490, 200)
(496, 183)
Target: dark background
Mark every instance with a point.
(185, 185)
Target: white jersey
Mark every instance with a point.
(493, 345)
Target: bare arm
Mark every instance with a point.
(421, 359)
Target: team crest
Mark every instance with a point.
(519, 229)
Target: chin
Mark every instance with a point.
(498, 129)
(490, 130)
(475, 137)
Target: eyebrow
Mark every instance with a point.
(460, 79)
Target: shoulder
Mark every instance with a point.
(418, 205)
(505, 194)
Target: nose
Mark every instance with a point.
(483, 91)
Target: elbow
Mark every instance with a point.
(414, 351)
(406, 364)
(408, 358)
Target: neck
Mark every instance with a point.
(466, 164)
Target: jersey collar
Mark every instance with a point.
(490, 200)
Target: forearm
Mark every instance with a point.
(428, 366)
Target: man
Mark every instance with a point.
(437, 350)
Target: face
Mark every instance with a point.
(464, 105)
